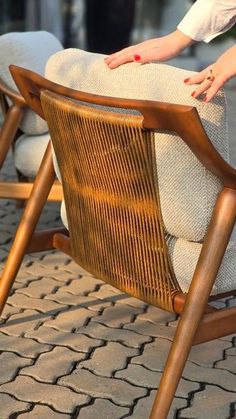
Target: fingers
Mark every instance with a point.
(209, 87)
(128, 54)
(215, 87)
(199, 77)
(133, 53)
(117, 54)
(136, 55)
(156, 49)
(203, 87)
(139, 55)
(208, 82)
(118, 59)
(150, 50)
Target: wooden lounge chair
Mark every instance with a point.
(106, 160)
(22, 130)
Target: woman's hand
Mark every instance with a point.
(212, 78)
(158, 49)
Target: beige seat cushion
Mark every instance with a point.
(184, 256)
(29, 50)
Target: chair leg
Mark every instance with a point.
(20, 203)
(31, 214)
(8, 130)
(214, 247)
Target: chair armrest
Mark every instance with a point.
(16, 97)
(185, 121)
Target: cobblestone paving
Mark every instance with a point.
(74, 347)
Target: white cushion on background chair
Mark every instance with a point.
(187, 190)
(28, 153)
(30, 50)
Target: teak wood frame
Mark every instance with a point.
(13, 106)
(198, 321)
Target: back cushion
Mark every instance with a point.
(187, 190)
(30, 50)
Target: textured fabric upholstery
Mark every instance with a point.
(29, 50)
(28, 153)
(184, 256)
(187, 190)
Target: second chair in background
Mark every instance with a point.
(22, 129)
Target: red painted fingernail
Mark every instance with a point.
(137, 57)
(186, 80)
(205, 99)
(192, 94)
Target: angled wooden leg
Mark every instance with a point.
(8, 130)
(38, 197)
(214, 246)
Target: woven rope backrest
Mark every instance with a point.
(111, 197)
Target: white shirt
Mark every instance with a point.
(208, 18)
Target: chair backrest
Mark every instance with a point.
(107, 163)
(184, 182)
(30, 50)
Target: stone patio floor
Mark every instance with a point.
(74, 347)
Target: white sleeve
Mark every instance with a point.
(208, 18)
